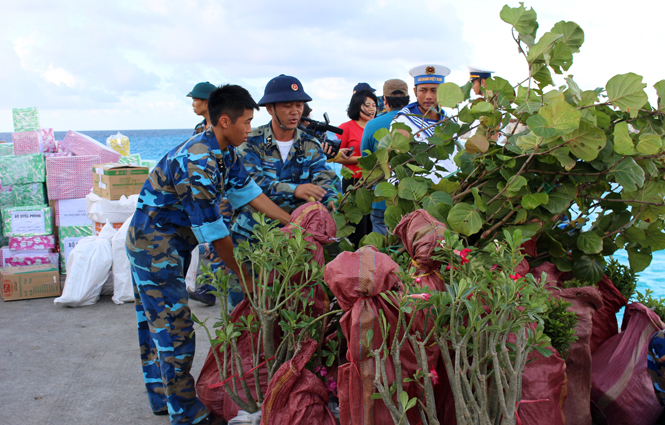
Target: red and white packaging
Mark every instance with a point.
(80, 144)
(22, 243)
(47, 140)
(69, 177)
(26, 142)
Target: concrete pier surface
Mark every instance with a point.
(71, 366)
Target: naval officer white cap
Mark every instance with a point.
(429, 74)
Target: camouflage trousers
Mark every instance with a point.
(656, 364)
(165, 327)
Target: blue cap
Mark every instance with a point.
(284, 88)
(202, 90)
(363, 87)
(479, 73)
(429, 74)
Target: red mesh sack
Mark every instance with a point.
(586, 301)
(216, 399)
(421, 233)
(357, 279)
(295, 395)
(605, 323)
(544, 390)
(621, 389)
(315, 220)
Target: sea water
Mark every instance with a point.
(154, 144)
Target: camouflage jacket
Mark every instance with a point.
(278, 179)
(183, 193)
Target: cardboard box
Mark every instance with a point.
(111, 181)
(22, 283)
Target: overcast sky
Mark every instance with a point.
(128, 64)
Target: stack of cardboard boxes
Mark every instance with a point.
(43, 189)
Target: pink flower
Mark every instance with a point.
(494, 267)
(331, 386)
(424, 297)
(515, 276)
(433, 376)
(464, 253)
(417, 280)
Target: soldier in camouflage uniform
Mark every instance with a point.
(289, 165)
(178, 209)
(656, 364)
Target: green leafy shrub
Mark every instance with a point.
(623, 277)
(560, 325)
(655, 304)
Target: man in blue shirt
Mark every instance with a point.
(178, 209)
(395, 97)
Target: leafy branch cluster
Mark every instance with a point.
(580, 171)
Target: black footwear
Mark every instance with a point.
(161, 413)
(201, 295)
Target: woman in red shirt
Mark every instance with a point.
(362, 108)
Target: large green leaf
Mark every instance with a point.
(386, 190)
(628, 174)
(522, 19)
(649, 144)
(542, 46)
(639, 259)
(400, 143)
(482, 108)
(435, 198)
(465, 219)
(561, 117)
(563, 155)
(364, 199)
(516, 184)
(530, 141)
(623, 144)
(587, 268)
(531, 201)
(560, 57)
(392, 216)
(375, 239)
(660, 91)
(477, 144)
(626, 91)
(573, 36)
(589, 243)
(448, 95)
(412, 189)
(478, 200)
(560, 199)
(353, 213)
(539, 126)
(586, 141)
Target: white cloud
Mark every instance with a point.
(129, 64)
(59, 76)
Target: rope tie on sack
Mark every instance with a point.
(517, 405)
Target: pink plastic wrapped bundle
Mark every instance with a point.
(622, 391)
(421, 233)
(69, 177)
(26, 142)
(48, 140)
(357, 279)
(82, 145)
(32, 242)
(35, 260)
(295, 394)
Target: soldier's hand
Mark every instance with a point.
(332, 207)
(327, 149)
(307, 190)
(345, 153)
